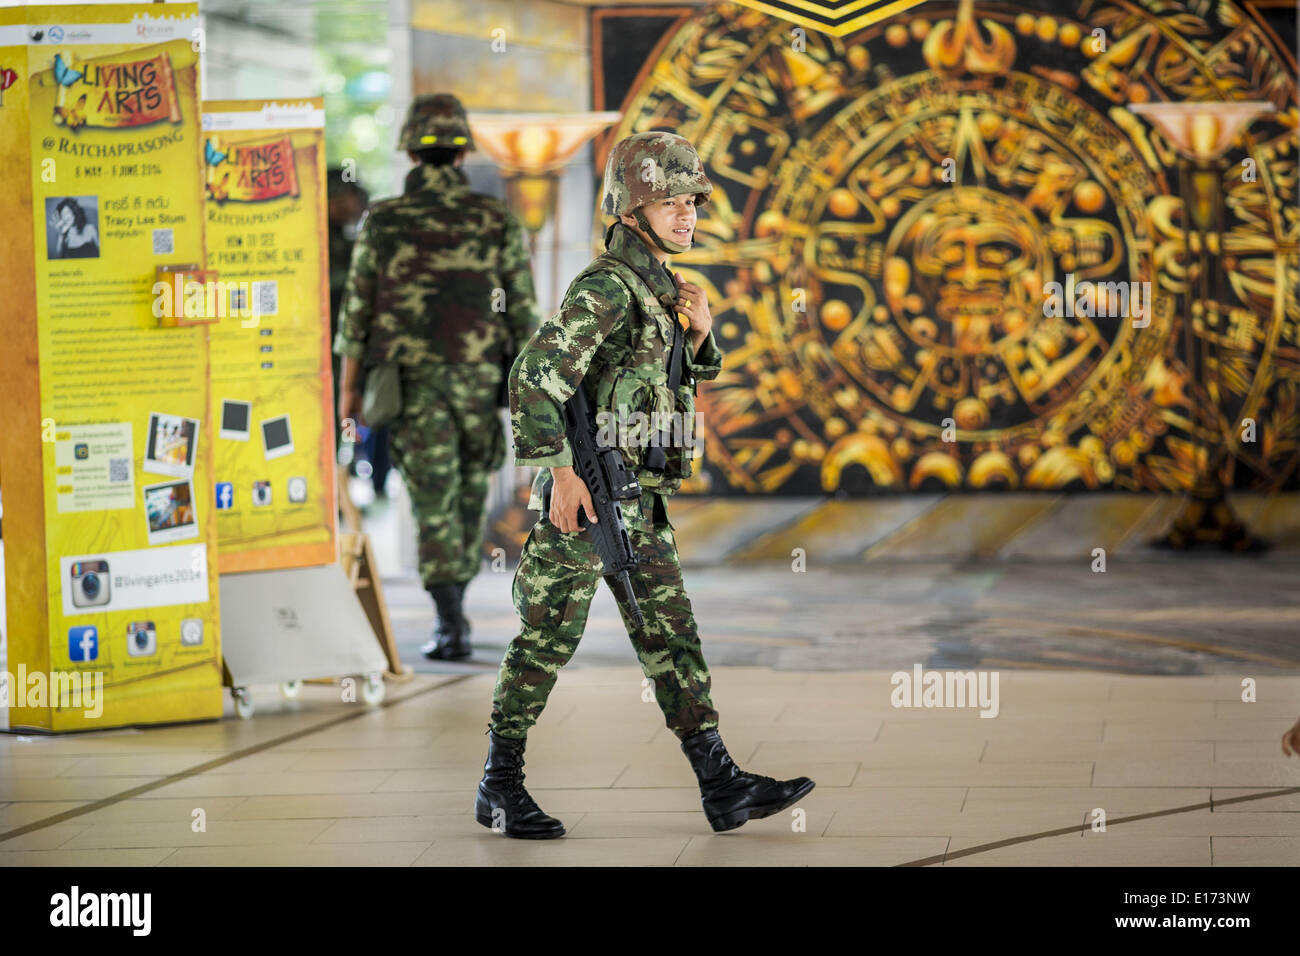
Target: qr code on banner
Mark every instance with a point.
(119, 469)
(163, 245)
(265, 297)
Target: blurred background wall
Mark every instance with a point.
(891, 201)
(865, 299)
(354, 53)
(858, 352)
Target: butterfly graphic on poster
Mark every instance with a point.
(220, 190)
(72, 116)
(65, 74)
(212, 155)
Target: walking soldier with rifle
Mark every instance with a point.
(616, 353)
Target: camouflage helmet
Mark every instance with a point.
(435, 120)
(647, 167)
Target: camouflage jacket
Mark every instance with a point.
(438, 274)
(612, 334)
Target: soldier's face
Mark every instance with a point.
(674, 219)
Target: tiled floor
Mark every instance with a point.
(1119, 694)
(994, 526)
(394, 786)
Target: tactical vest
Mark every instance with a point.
(639, 383)
(636, 381)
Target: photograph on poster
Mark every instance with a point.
(169, 447)
(277, 437)
(72, 227)
(235, 416)
(170, 509)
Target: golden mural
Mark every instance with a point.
(892, 208)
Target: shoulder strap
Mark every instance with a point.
(675, 357)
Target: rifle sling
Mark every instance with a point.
(675, 357)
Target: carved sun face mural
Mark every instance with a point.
(890, 208)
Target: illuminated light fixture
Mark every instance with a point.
(1202, 133)
(531, 149)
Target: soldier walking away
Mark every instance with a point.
(615, 337)
(439, 285)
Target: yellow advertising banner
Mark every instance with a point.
(264, 175)
(23, 584)
(110, 587)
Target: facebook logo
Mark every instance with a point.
(225, 494)
(83, 643)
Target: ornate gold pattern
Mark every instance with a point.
(888, 208)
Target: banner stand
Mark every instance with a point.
(287, 626)
(107, 446)
(294, 613)
(358, 559)
(359, 565)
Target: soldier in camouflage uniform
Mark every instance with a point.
(439, 282)
(612, 337)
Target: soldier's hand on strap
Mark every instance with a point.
(692, 303)
(568, 494)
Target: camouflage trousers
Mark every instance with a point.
(557, 577)
(446, 444)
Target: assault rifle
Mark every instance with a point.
(609, 481)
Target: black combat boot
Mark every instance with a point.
(451, 637)
(502, 801)
(730, 795)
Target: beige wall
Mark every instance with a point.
(249, 61)
(544, 68)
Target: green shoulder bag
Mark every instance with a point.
(381, 401)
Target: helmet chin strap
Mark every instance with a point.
(666, 245)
